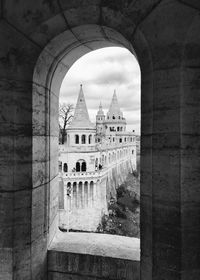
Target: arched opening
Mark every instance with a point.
(54, 84)
(76, 139)
(90, 139)
(80, 193)
(78, 166)
(86, 194)
(91, 195)
(65, 167)
(83, 139)
(75, 203)
(83, 166)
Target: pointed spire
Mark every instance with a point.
(81, 118)
(100, 111)
(100, 106)
(114, 106)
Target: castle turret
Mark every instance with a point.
(100, 119)
(115, 120)
(81, 131)
(81, 118)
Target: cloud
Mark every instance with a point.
(113, 78)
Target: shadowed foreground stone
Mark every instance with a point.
(40, 40)
(93, 256)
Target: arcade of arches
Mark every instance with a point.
(40, 40)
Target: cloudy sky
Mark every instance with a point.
(101, 72)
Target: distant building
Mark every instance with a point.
(95, 159)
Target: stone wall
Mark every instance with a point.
(69, 266)
(83, 210)
(46, 38)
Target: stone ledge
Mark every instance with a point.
(105, 245)
(93, 256)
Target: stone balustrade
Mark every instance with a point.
(75, 175)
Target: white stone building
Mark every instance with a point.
(95, 159)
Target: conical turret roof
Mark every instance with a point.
(100, 111)
(81, 118)
(114, 108)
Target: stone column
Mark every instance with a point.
(170, 163)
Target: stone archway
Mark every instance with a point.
(165, 36)
(48, 75)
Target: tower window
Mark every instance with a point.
(90, 139)
(78, 167)
(83, 166)
(83, 138)
(77, 139)
(65, 167)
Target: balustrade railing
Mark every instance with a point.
(86, 174)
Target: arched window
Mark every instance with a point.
(90, 139)
(118, 128)
(80, 193)
(76, 139)
(68, 188)
(75, 202)
(86, 194)
(120, 140)
(78, 167)
(65, 167)
(83, 139)
(83, 166)
(113, 117)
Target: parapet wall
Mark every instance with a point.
(63, 265)
(85, 207)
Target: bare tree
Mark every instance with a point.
(65, 118)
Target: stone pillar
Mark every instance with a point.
(170, 163)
